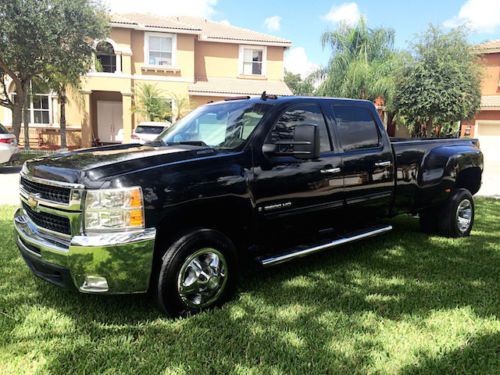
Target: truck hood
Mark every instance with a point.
(104, 162)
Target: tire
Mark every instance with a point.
(198, 272)
(457, 215)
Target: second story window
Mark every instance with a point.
(106, 56)
(159, 49)
(252, 60)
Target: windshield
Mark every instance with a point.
(223, 126)
(3, 130)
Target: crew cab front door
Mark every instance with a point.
(294, 196)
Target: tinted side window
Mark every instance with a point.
(300, 115)
(3, 130)
(356, 128)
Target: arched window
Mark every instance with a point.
(106, 57)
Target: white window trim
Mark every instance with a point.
(117, 53)
(160, 35)
(264, 59)
(32, 111)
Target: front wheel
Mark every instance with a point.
(199, 271)
(457, 216)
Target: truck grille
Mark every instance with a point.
(48, 221)
(47, 192)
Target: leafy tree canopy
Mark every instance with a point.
(45, 38)
(441, 83)
(298, 85)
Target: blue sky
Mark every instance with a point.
(303, 21)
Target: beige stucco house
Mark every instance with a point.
(191, 60)
(486, 124)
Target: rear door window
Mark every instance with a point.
(356, 128)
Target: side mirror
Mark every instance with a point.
(304, 145)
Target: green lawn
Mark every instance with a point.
(404, 303)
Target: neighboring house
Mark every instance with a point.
(191, 60)
(486, 124)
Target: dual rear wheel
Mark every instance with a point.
(454, 218)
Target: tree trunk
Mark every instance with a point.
(63, 119)
(438, 131)
(391, 125)
(26, 122)
(17, 111)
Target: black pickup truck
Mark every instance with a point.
(262, 180)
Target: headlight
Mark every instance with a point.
(114, 209)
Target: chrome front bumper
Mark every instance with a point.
(123, 260)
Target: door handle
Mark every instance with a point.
(383, 164)
(330, 170)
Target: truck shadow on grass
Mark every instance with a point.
(387, 304)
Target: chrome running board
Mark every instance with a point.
(301, 251)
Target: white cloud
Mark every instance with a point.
(297, 62)
(479, 15)
(347, 13)
(273, 23)
(197, 8)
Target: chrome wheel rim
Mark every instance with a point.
(202, 278)
(464, 215)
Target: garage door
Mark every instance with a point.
(488, 134)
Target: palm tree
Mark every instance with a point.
(363, 63)
(152, 103)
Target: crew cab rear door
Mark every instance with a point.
(368, 160)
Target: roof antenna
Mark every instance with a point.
(263, 96)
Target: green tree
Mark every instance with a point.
(363, 63)
(441, 84)
(152, 103)
(45, 38)
(298, 85)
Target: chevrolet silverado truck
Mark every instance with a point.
(239, 182)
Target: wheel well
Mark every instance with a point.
(168, 231)
(469, 179)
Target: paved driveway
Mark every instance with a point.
(491, 179)
(9, 185)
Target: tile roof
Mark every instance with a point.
(206, 29)
(490, 102)
(149, 21)
(238, 86)
(491, 46)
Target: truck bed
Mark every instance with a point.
(423, 167)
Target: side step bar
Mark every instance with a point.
(301, 251)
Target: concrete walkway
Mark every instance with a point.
(9, 185)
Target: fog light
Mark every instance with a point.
(94, 284)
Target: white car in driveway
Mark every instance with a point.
(8, 145)
(149, 131)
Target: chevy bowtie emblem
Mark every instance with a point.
(33, 200)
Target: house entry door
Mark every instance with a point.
(109, 121)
